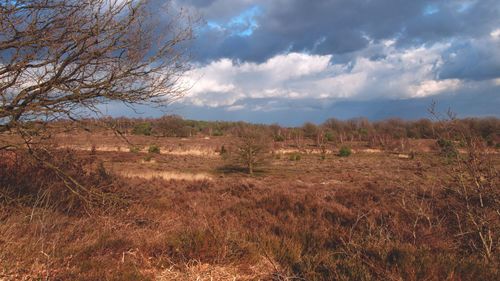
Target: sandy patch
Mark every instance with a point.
(295, 150)
(166, 175)
(207, 272)
(163, 150)
(404, 156)
(97, 148)
(190, 152)
(371, 150)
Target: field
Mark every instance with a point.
(178, 209)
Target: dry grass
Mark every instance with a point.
(206, 272)
(371, 216)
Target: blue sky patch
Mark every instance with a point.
(431, 9)
(242, 25)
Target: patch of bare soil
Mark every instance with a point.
(165, 175)
(207, 272)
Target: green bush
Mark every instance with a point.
(217, 133)
(134, 149)
(142, 129)
(154, 149)
(490, 142)
(345, 151)
(447, 149)
(295, 157)
(329, 136)
(279, 138)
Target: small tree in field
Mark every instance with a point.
(252, 148)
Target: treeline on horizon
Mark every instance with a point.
(332, 130)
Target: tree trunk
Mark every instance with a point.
(250, 168)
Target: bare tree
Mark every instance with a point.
(60, 58)
(252, 148)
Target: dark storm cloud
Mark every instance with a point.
(341, 26)
(268, 61)
(478, 60)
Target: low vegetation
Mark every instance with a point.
(154, 149)
(345, 151)
(375, 216)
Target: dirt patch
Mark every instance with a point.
(305, 150)
(166, 175)
(202, 271)
(191, 152)
(163, 150)
(371, 150)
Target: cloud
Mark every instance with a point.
(295, 112)
(477, 59)
(381, 71)
(256, 56)
(338, 26)
(223, 82)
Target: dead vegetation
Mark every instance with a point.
(369, 216)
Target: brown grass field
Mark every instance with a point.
(187, 214)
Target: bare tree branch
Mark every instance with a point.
(63, 57)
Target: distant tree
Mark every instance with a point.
(310, 130)
(297, 135)
(170, 126)
(329, 136)
(277, 132)
(337, 128)
(142, 129)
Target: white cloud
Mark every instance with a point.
(395, 74)
(235, 107)
(432, 87)
(495, 34)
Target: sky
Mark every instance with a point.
(292, 61)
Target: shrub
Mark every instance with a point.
(56, 179)
(295, 157)
(490, 142)
(329, 136)
(217, 133)
(446, 148)
(279, 138)
(223, 150)
(134, 149)
(154, 149)
(345, 151)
